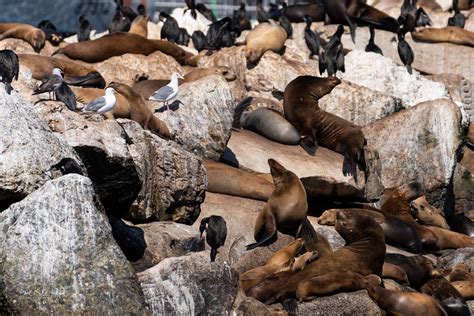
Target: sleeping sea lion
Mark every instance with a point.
(449, 34)
(447, 295)
(447, 239)
(263, 37)
(427, 214)
(26, 32)
(418, 269)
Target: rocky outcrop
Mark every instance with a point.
(28, 149)
(189, 285)
(58, 255)
(463, 182)
(203, 121)
(453, 257)
(418, 144)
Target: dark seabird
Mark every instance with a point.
(333, 55)
(168, 92)
(120, 22)
(191, 6)
(66, 95)
(206, 12)
(458, 19)
(84, 30)
(199, 40)
(311, 38)
(9, 68)
(405, 52)
(241, 19)
(102, 104)
(371, 47)
(183, 38)
(216, 233)
(422, 18)
(141, 9)
(407, 18)
(218, 33)
(51, 83)
(170, 28)
(285, 23)
(67, 166)
(262, 15)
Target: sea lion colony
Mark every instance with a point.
(397, 235)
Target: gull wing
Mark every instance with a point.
(95, 105)
(161, 94)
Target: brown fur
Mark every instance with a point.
(140, 26)
(449, 34)
(450, 240)
(394, 272)
(117, 44)
(465, 288)
(34, 36)
(263, 37)
(460, 272)
(427, 214)
(440, 289)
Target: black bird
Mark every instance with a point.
(131, 239)
(422, 18)
(170, 28)
(407, 18)
(66, 95)
(218, 35)
(83, 30)
(126, 11)
(216, 233)
(191, 6)
(241, 19)
(285, 23)
(405, 52)
(183, 38)
(52, 34)
(141, 9)
(67, 166)
(311, 38)
(199, 40)
(458, 19)
(46, 25)
(371, 47)
(9, 68)
(206, 12)
(262, 15)
(119, 23)
(333, 57)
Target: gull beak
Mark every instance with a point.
(181, 76)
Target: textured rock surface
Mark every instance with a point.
(203, 122)
(453, 257)
(58, 255)
(167, 239)
(189, 285)
(463, 181)
(173, 180)
(28, 149)
(125, 68)
(418, 144)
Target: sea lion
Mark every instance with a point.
(332, 283)
(296, 13)
(465, 288)
(427, 214)
(117, 44)
(285, 211)
(460, 272)
(396, 201)
(263, 37)
(418, 269)
(450, 240)
(147, 87)
(404, 303)
(34, 36)
(363, 253)
(74, 73)
(319, 127)
(449, 34)
(447, 295)
(228, 180)
(394, 272)
(266, 122)
(462, 224)
(397, 233)
(140, 26)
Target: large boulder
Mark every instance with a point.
(58, 255)
(203, 121)
(28, 149)
(418, 144)
(189, 285)
(463, 182)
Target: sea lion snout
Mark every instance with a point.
(276, 169)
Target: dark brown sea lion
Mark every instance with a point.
(449, 34)
(363, 253)
(319, 127)
(449, 298)
(404, 303)
(26, 32)
(117, 44)
(297, 12)
(418, 269)
(332, 283)
(450, 240)
(394, 272)
(74, 73)
(140, 26)
(460, 272)
(285, 211)
(427, 214)
(263, 37)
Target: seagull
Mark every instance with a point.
(52, 83)
(102, 104)
(168, 92)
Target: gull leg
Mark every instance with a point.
(167, 107)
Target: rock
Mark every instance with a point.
(453, 257)
(127, 67)
(361, 105)
(455, 84)
(189, 285)
(329, 232)
(463, 182)
(22, 47)
(418, 144)
(203, 122)
(167, 239)
(28, 149)
(173, 180)
(58, 255)
(470, 304)
(248, 306)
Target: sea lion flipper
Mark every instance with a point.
(269, 235)
(307, 232)
(349, 167)
(290, 305)
(309, 144)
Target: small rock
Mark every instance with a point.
(463, 182)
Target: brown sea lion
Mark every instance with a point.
(418, 269)
(427, 214)
(140, 112)
(228, 180)
(460, 272)
(396, 201)
(117, 44)
(34, 36)
(450, 240)
(263, 37)
(332, 283)
(319, 127)
(394, 272)
(74, 73)
(465, 288)
(297, 12)
(140, 26)
(363, 253)
(404, 303)
(449, 34)
(447, 295)
(285, 211)
(147, 87)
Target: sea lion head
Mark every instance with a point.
(280, 175)
(353, 226)
(428, 214)
(226, 72)
(38, 40)
(253, 55)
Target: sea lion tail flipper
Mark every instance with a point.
(93, 79)
(239, 109)
(290, 305)
(307, 232)
(269, 235)
(309, 144)
(57, 51)
(349, 167)
(213, 254)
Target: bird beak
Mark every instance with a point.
(181, 77)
